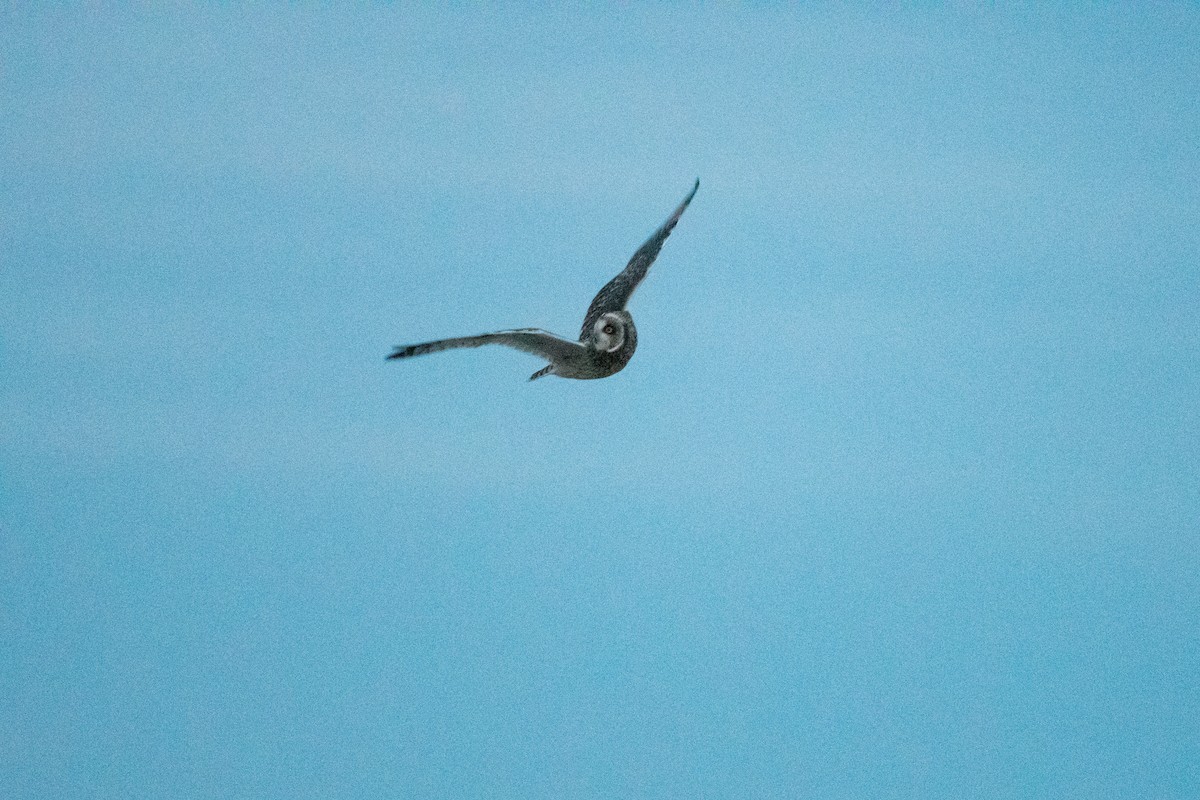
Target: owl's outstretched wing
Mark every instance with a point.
(616, 293)
(554, 349)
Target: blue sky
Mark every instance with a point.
(898, 498)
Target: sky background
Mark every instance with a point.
(900, 496)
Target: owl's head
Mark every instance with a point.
(611, 330)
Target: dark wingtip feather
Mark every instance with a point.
(682, 206)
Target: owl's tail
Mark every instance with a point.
(546, 370)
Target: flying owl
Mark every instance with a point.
(608, 337)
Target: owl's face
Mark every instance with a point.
(608, 334)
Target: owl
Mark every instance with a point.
(608, 337)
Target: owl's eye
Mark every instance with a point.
(609, 329)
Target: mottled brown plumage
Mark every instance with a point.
(608, 337)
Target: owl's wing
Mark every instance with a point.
(554, 349)
(616, 293)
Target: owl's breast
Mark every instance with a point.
(611, 363)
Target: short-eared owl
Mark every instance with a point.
(608, 338)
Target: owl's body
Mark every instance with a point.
(608, 337)
(600, 362)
